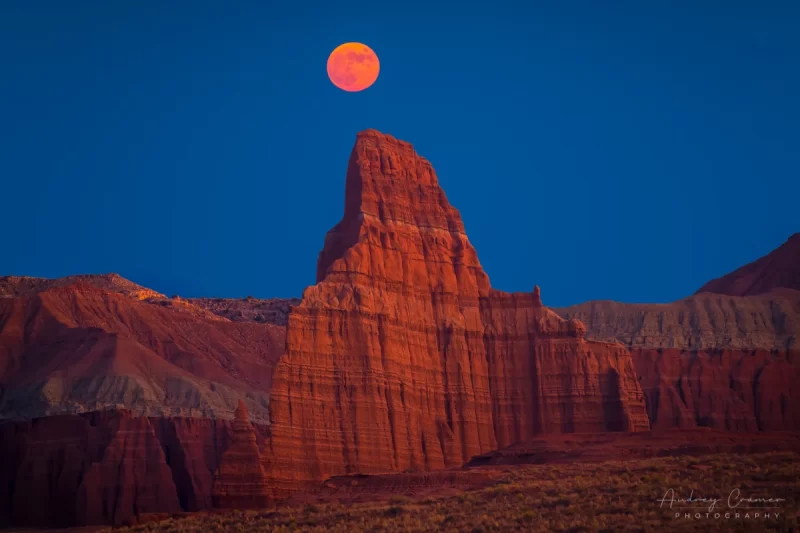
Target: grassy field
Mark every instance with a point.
(578, 497)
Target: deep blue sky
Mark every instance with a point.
(604, 150)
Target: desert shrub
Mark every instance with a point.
(393, 511)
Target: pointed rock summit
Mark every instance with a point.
(240, 482)
(537, 296)
(389, 185)
(402, 355)
(241, 416)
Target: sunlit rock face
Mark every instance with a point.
(402, 356)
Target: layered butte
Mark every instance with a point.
(403, 357)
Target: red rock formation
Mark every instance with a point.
(80, 348)
(402, 356)
(129, 476)
(778, 269)
(737, 390)
(108, 467)
(15, 286)
(193, 448)
(240, 482)
(269, 311)
(100, 469)
(701, 322)
(713, 360)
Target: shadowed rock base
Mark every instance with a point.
(240, 482)
(108, 467)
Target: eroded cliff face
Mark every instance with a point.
(240, 481)
(109, 467)
(769, 321)
(710, 360)
(77, 347)
(403, 357)
(736, 390)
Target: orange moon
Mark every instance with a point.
(353, 67)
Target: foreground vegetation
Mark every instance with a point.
(577, 497)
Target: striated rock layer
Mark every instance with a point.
(109, 467)
(15, 286)
(737, 390)
(403, 357)
(76, 348)
(706, 321)
(240, 482)
(710, 360)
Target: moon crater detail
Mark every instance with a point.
(353, 67)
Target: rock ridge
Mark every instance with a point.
(778, 269)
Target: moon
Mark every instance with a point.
(353, 67)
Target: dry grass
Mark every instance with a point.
(580, 497)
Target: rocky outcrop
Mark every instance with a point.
(240, 481)
(712, 360)
(109, 467)
(128, 474)
(78, 348)
(737, 390)
(778, 269)
(97, 469)
(265, 311)
(709, 360)
(403, 357)
(701, 322)
(15, 286)
(249, 309)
